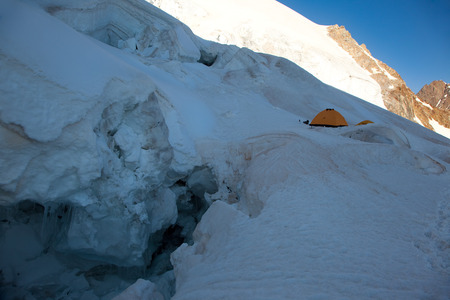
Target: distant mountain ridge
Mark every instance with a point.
(437, 94)
(397, 97)
(273, 28)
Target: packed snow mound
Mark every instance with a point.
(141, 289)
(377, 134)
(119, 129)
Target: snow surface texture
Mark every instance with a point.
(119, 127)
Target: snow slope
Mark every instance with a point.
(322, 228)
(270, 27)
(117, 134)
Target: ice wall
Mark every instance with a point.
(131, 25)
(85, 157)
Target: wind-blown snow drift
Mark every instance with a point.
(119, 128)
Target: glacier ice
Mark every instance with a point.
(119, 130)
(86, 146)
(130, 25)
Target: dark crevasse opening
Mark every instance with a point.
(208, 59)
(34, 264)
(191, 205)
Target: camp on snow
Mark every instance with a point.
(329, 118)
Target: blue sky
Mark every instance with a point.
(411, 36)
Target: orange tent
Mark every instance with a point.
(364, 122)
(329, 118)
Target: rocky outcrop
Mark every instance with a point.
(397, 97)
(437, 94)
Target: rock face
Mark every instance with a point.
(437, 94)
(397, 97)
